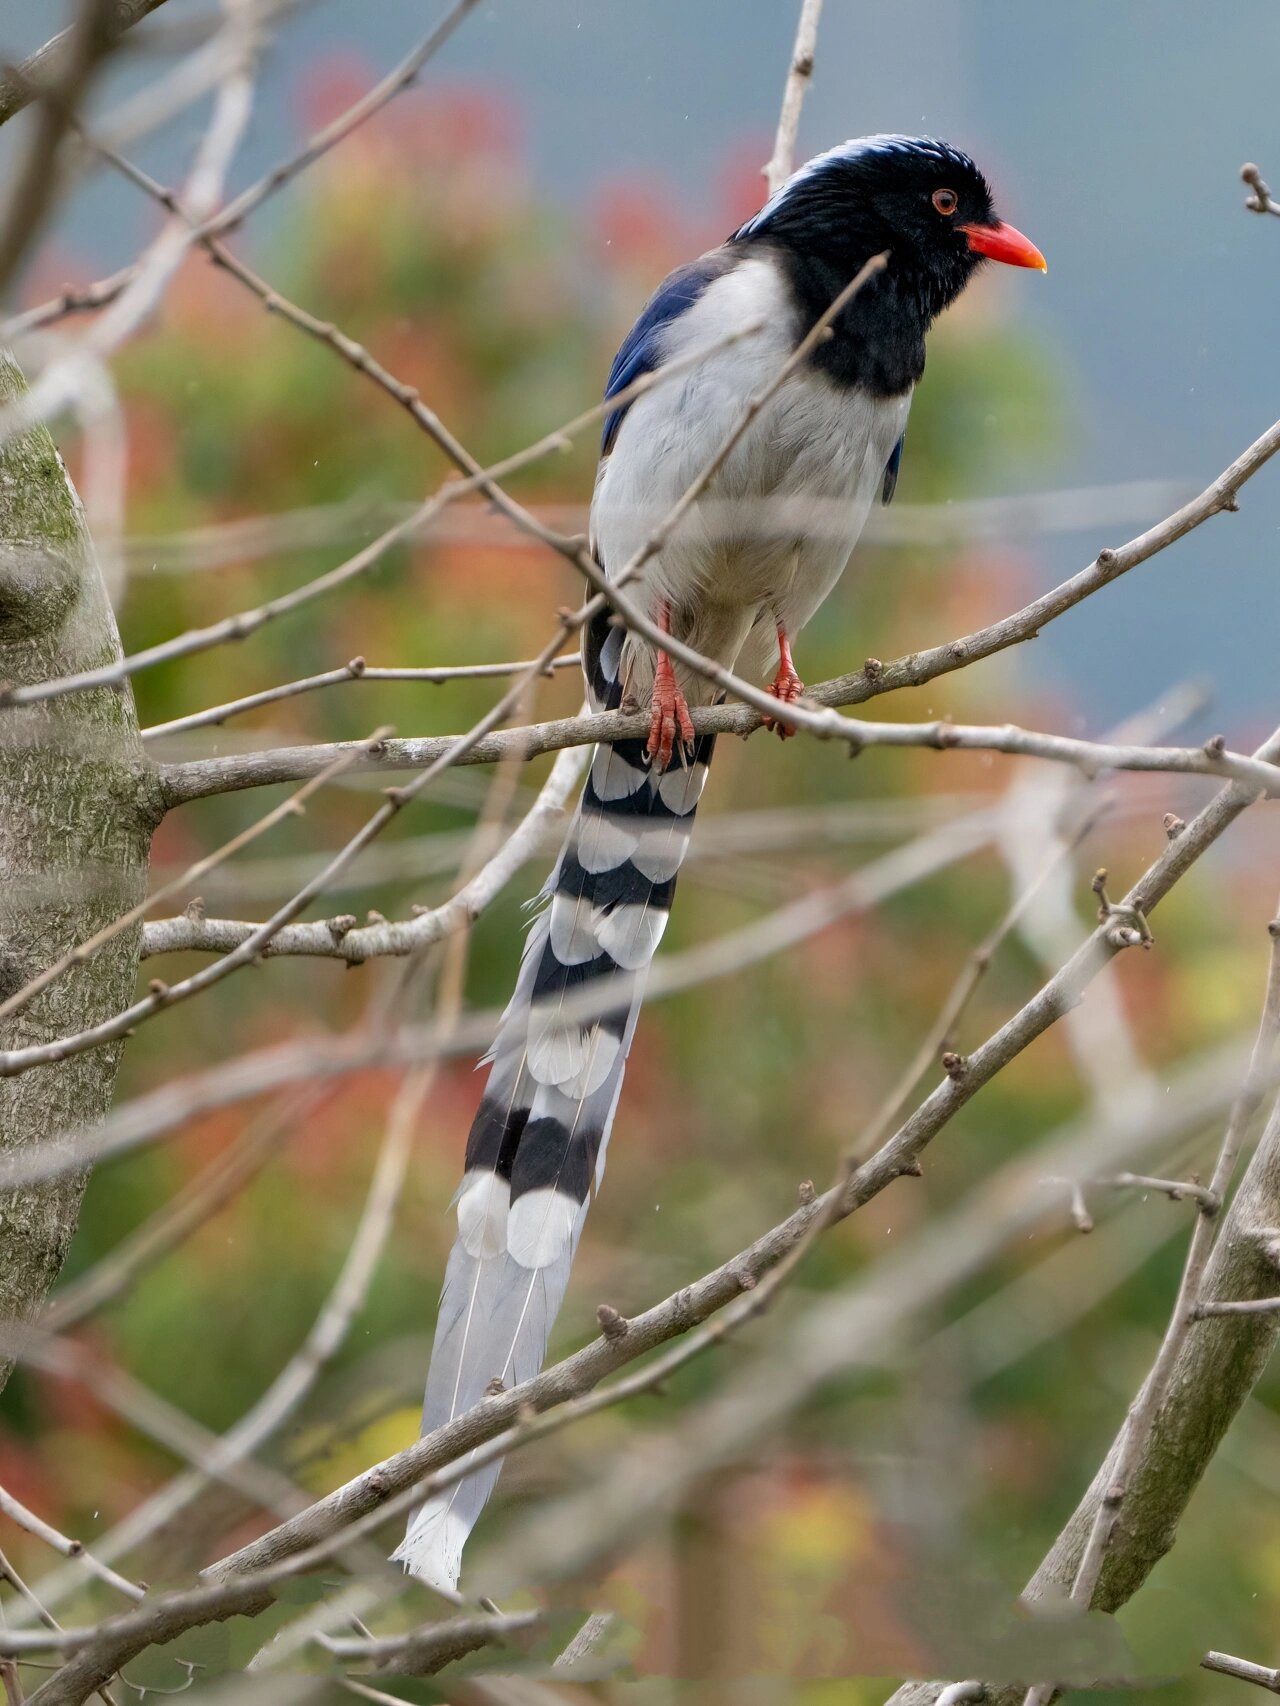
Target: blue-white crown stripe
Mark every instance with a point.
(883, 142)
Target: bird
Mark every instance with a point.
(739, 577)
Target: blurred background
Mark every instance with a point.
(489, 237)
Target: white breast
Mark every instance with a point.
(776, 528)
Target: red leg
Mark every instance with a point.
(669, 715)
(786, 684)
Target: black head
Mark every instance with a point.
(919, 199)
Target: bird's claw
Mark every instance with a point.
(786, 687)
(669, 716)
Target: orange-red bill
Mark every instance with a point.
(1004, 243)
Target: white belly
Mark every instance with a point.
(774, 531)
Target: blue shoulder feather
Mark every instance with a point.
(891, 467)
(642, 348)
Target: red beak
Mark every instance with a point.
(1003, 243)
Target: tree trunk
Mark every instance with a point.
(77, 807)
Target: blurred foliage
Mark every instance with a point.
(420, 239)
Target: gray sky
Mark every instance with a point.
(1114, 130)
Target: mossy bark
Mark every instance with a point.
(77, 807)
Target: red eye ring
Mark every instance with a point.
(945, 201)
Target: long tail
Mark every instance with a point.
(538, 1143)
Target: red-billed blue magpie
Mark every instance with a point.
(746, 569)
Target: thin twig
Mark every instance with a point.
(344, 940)
(354, 670)
(13, 1689)
(940, 1037)
(1235, 1306)
(1176, 1189)
(778, 169)
(88, 43)
(209, 225)
(1260, 201)
(421, 1652)
(1242, 1669)
(196, 779)
(17, 1512)
(399, 78)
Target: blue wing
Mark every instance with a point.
(891, 467)
(642, 348)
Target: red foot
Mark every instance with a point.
(785, 686)
(669, 716)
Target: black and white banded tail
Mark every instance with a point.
(537, 1146)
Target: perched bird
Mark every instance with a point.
(739, 578)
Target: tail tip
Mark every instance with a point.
(431, 1550)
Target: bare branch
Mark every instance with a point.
(778, 169)
(195, 779)
(87, 43)
(13, 1689)
(49, 65)
(422, 1652)
(354, 670)
(1235, 1306)
(1176, 1189)
(334, 939)
(1242, 1669)
(1127, 1519)
(222, 1455)
(396, 80)
(17, 1512)
(1260, 201)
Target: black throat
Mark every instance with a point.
(877, 341)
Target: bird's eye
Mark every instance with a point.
(945, 201)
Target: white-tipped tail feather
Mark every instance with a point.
(537, 1146)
